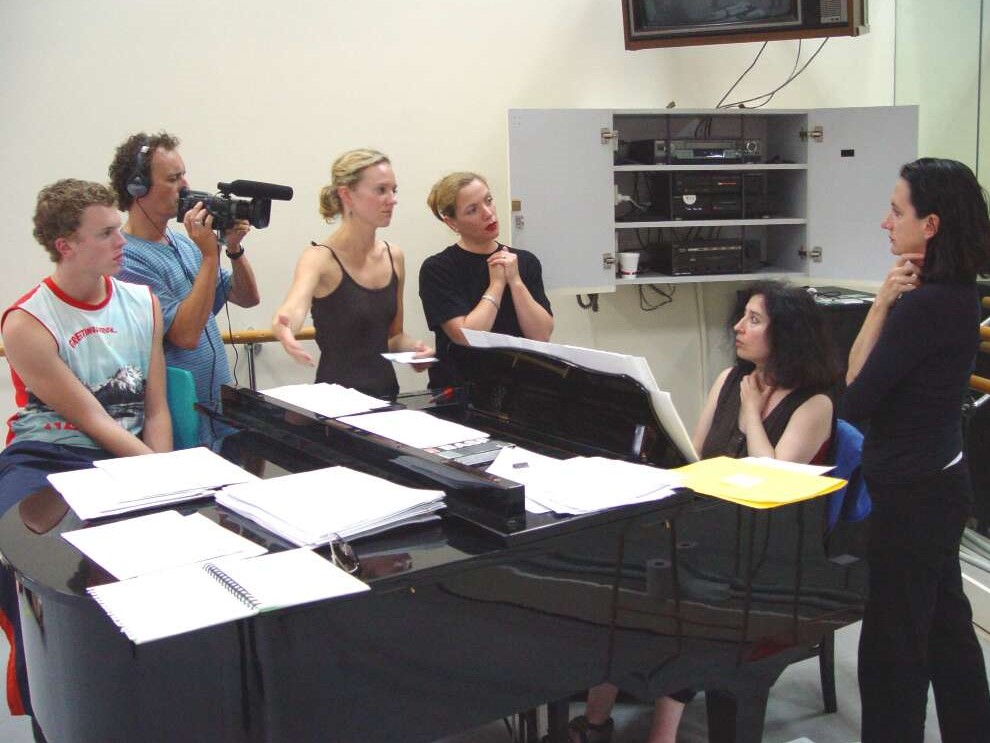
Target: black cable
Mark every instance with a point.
(745, 72)
(782, 85)
(644, 303)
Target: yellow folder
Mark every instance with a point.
(754, 485)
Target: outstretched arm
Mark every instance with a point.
(289, 317)
(32, 352)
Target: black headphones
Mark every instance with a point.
(138, 182)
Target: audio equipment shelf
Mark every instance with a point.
(726, 195)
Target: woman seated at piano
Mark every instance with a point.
(478, 282)
(774, 402)
(352, 282)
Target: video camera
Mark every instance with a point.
(226, 210)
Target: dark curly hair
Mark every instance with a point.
(947, 188)
(60, 207)
(125, 160)
(802, 355)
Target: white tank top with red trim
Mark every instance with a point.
(107, 346)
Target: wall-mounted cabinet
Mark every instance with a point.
(705, 195)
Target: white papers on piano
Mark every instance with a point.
(414, 428)
(191, 597)
(328, 400)
(581, 484)
(601, 361)
(313, 508)
(147, 544)
(125, 484)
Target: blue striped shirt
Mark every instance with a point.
(170, 270)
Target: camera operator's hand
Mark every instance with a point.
(199, 227)
(232, 238)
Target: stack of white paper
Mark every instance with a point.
(581, 484)
(125, 484)
(329, 400)
(158, 541)
(313, 508)
(171, 602)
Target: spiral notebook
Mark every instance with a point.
(172, 602)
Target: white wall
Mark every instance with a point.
(273, 91)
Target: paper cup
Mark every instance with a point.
(628, 263)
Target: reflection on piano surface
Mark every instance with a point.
(492, 612)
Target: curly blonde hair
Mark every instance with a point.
(60, 208)
(443, 196)
(346, 171)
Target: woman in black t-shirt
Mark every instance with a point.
(477, 283)
(908, 372)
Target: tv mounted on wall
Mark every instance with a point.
(657, 23)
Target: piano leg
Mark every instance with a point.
(558, 715)
(736, 716)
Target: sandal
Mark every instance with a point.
(581, 731)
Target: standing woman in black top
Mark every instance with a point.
(908, 372)
(352, 281)
(477, 283)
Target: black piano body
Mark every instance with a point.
(492, 611)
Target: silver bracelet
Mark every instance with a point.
(491, 299)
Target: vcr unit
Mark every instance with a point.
(700, 257)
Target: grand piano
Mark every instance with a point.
(489, 612)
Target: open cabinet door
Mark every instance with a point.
(851, 173)
(560, 178)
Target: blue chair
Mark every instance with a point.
(851, 503)
(181, 392)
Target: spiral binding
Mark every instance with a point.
(242, 594)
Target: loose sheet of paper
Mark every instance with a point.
(146, 544)
(329, 400)
(414, 428)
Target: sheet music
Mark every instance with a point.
(171, 602)
(608, 362)
(92, 493)
(309, 508)
(582, 484)
(146, 544)
(173, 472)
(115, 486)
(329, 400)
(414, 428)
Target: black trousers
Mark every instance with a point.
(917, 625)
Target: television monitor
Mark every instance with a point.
(657, 23)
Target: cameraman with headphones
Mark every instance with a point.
(147, 175)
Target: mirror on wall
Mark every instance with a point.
(941, 64)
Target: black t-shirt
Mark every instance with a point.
(451, 284)
(912, 385)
